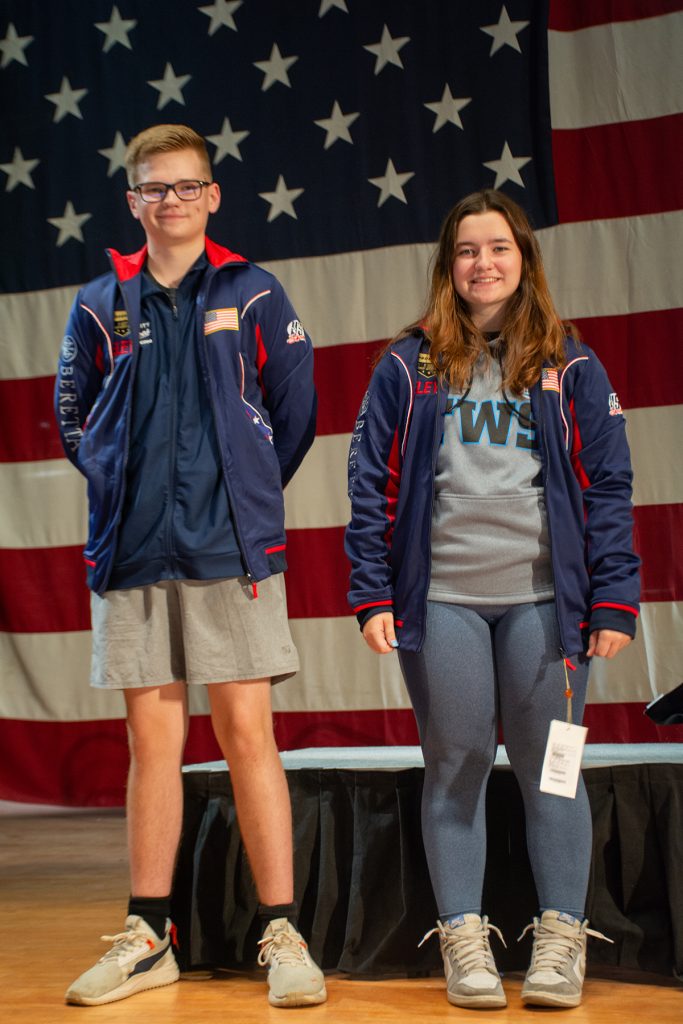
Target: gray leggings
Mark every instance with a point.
(478, 664)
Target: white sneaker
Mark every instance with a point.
(558, 960)
(293, 978)
(137, 960)
(472, 979)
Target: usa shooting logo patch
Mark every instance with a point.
(615, 405)
(295, 332)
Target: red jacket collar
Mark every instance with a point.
(127, 266)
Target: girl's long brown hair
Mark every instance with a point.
(532, 331)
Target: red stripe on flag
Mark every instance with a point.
(37, 572)
(342, 373)
(621, 342)
(72, 764)
(317, 554)
(79, 764)
(84, 764)
(569, 16)
(641, 150)
(48, 592)
(28, 430)
(626, 723)
(662, 569)
(642, 354)
(378, 728)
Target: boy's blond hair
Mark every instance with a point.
(164, 138)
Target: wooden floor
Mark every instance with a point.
(63, 882)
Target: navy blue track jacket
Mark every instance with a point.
(586, 475)
(257, 364)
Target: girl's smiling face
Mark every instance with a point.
(487, 267)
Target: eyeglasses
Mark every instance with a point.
(156, 191)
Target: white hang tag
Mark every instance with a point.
(562, 761)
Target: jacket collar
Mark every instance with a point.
(128, 266)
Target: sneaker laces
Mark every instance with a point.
(283, 948)
(468, 943)
(551, 948)
(124, 942)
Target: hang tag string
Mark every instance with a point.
(569, 693)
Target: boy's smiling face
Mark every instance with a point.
(174, 222)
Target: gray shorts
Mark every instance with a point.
(196, 631)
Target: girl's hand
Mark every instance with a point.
(606, 643)
(379, 633)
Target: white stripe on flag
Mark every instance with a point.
(648, 666)
(606, 267)
(366, 296)
(624, 71)
(47, 507)
(654, 436)
(45, 675)
(31, 329)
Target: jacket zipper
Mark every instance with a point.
(173, 429)
(546, 469)
(204, 355)
(440, 400)
(201, 307)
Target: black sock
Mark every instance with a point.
(152, 909)
(268, 914)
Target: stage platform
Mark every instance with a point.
(360, 873)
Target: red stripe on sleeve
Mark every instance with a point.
(577, 445)
(392, 486)
(619, 607)
(372, 604)
(261, 357)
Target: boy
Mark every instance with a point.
(185, 396)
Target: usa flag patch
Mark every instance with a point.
(550, 380)
(221, 320)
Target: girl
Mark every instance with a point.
(491, 542)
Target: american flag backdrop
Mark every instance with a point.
(341, 133)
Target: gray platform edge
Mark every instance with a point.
(596, 755)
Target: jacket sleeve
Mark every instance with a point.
(374, 476)
(601, 459)
(80, 377)
(284, 355)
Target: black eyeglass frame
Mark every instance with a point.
(167, 185)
